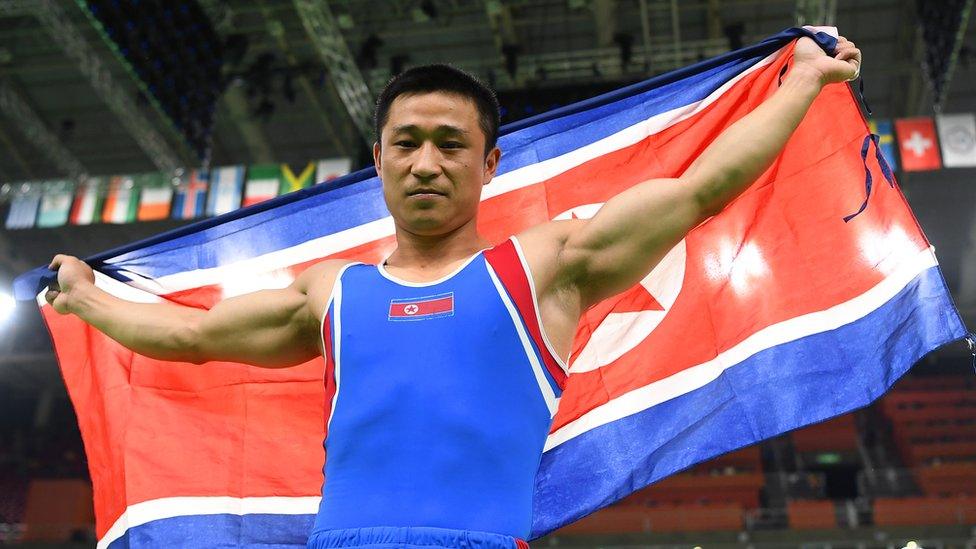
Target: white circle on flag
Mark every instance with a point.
(618, 333)
(411, 309)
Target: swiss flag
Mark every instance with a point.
(917, 144)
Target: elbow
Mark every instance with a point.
(710, 197)
(188, 343)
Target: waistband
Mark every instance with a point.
(390, 537)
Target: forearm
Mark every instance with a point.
(738, 156)
(158, 330)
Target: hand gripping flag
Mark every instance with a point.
(774, 314)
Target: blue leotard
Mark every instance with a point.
(442, 395)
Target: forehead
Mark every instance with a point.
(432, 109)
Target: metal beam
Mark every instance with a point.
(258, 146)
(67, 35)
(277, 31)
(324, 33)
(502, 27)
(816, 12)
(957, 41)
(605, 21)
(33, 128)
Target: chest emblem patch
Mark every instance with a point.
(422, 308)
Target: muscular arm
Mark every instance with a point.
(268, 328)
(631, 233)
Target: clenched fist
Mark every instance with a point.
(72, 274)
(843, 66)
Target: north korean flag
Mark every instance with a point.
(781, 311)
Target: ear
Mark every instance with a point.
(491, 164)
(376, 158)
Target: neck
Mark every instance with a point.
(416, 251)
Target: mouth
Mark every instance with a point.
(425, 193)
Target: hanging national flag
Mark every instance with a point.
(156, 196)
(87, 205)
(291, 182)
(766, 317)
(263, 182)
(23, 208)
(120, 202)
(225, 189)
(190, 197)
(886, 138)
(957, 133)
(916, 144)
(55, 203)
(332, 168)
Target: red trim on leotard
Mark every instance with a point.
(330, 381)
(504, 259)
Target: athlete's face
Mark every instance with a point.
(431, 159)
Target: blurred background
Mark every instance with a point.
(112, 112)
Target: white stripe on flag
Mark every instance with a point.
(698, 376)
(147, 511)
(512, 181)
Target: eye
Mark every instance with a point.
(405, 143)
(452, 145)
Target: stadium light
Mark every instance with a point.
(7, 305)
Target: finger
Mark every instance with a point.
(50, 296)
(56, 262)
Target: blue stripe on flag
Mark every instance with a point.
(224, 530)
(751, 401)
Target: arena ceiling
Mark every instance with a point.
(557, 43)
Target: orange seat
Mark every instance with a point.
(811, 514)
(948, 479)
(742, 489)
(58, 508)
(838, 434)
(918, 454)
(924, 511)
(665, 518)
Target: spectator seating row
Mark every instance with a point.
(927, 511)
(662, 518)
(835, 435)
(734, 478)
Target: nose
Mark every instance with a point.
(427, 162)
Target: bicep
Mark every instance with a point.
(628, 236)
(267, 328)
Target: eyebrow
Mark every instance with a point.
(443, 129)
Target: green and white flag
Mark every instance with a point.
(263, 182)
(55, 203)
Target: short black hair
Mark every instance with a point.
(441, 78)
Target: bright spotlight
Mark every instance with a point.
(7, 305)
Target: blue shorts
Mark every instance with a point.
(415, 537)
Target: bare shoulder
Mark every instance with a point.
(317, 282)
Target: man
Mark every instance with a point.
(444, 362)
